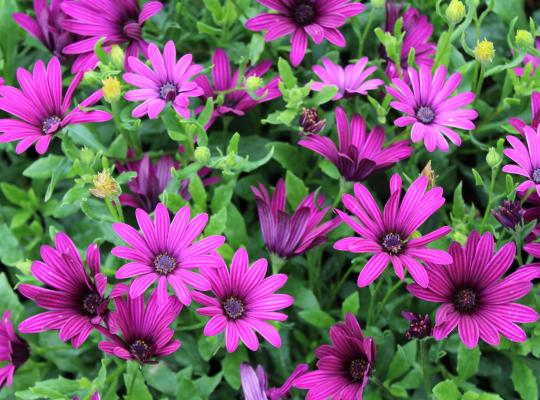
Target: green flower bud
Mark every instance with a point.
(493, 158)
(253, 83)
(202, 154)
(524, 39)
(484, 51)
(117, 56)
(455, 12)
(378, 3)
(112, 89)
(87, 156)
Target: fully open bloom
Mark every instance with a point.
(430, 109)
(119, 21)
(255, 383)
(343, 367)
(167, 82)
(39, 107)
(387, 234)
(526, 158)
(75, 299)
(358, 154)
(476, 297)
(529, 59)
(145, 331)
(167, 252)
(318, 19)
(244, 301)
(288, 235)
(351, 80)
(14, 351)
(237, 102)
(519, 124)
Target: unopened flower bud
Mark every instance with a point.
(253, 83)
(430, 174)
(419, 325)
(485, 51)
(310, 122)
(105, 186)
(202, 154)
(87, 156)
(493, 158)
(455, 12)
(378, 3)
(112, 89)
(509, 214)
(117, 56)
(524, 39)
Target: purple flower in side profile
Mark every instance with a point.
(318, 19)
(519, 124)
(145, 330)
(510, 214)
(358, 154)
(476, 297)
(526, 158)
(39, 108)
(237, 102)
(287, 235)
(166, 252)
(388, 234)
(75, 299)
(529, 59)
(244, 301)
(310, 122)
(350, 81)
(343, 367)
(255, 383)
(430, 109)
(167, 82)
(419, 325)
(14, 351)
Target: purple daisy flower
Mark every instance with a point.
(519, 124)
(350, 81)
(39, 107)
(119, 21)
(430, 109)
(419, 325)
(475, 296)
(239, 101)
(318, 19)
(255, 383)
(75, 299)
(529, 58)
(310, 122)
(288, 235)
(244, 301)
(387, 234)
(145, 330)
(343, 367)
(166, 252)
(526, 158)
(167, 82)
(358, 154)
(14, 351)
(510, 214)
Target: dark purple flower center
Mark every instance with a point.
(164, 264)
(358, 368)
(465, 300)
(392, 243)
(233, 307)
(536, 176)
(425, 114)
(304, 13)
(230, 102)
(51, 124)
(140, 350)
(92, 303)
(419, 328)
(20, 352)
(168, 91)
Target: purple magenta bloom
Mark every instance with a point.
(145, 331)
(476, 297)
(39, 107)
(343, 367)
(349, 81)
(119, 21)
(529, 58)
(255, 383)
(310, 122)
(238, 101)
(167, 82)
(166, 252)
(526, 158)
(14, 351)
(430, 109)
(387, 234)
(510, 214)
(419, 325)
(288, 235)
(358, 154)
(318, 19)
(75, 299)
(519, 124)
(244, 301)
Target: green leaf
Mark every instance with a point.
(351, 304)
(10, 249)
(222, 196)
(317, 318)
(235, 230)
(446, 390)
(13, 193)
(326, 94)
(477, 178)
(231, 367)
(9, 300)
(305, 299)
(286, 73)
(207, 384)
(43, 167)
(161, 378)
(208, 346)
(458, 205)
(135, 385)
(296, 190)
(524, 380)
(468, 362)
(402, 361)
(290, 157)
(217, 223)
(198, 193)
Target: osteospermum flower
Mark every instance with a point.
(244, 301)
(358, 154)
(287, 235)
(349, 81)
(119, 21)
(167, 82)
(430, 109)
(75, 300)
(387, 234)
(145, 330)
(166, 252)
(318, 19)
(510, 214)
(39, 109)
(519, 124)
(419, 325)
(255, 383)
(343, 367)
(14, 351)
(236, 102)
(526, 158)
(476, 297)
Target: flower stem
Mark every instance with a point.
(480, 80)
(276, 262)
(487, 212)
(372, 300)
(366, 32)
(386, 297)
(112, 209)
(424, 362)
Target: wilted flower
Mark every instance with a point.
(527, 161)
(255, 383)
(484, 51)
(105, 186)
(419, 325)
(310, 122)
(429, 173)
(509, 214)
(14, 351)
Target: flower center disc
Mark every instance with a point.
(164, 264)
(392, 243)
(233, 307)
(536, 176)
(358, 368)
(465, 300)
(91, 304)
(304, 13)
(51, 124)
(140, 350)
(425, 114)
(168, 91)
